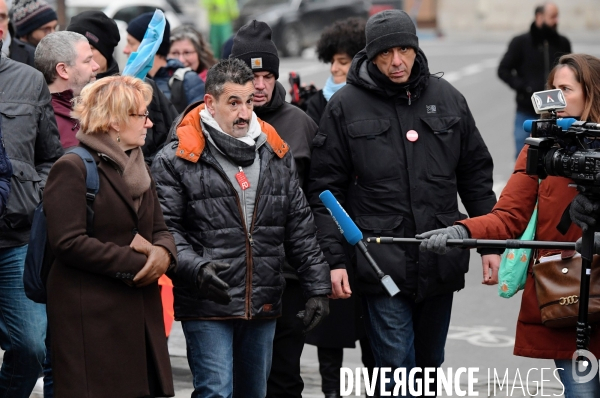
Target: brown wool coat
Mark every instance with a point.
(102, 329)
(508, 220)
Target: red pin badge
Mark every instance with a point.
(412, 135)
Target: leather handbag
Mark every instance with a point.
(557, 285)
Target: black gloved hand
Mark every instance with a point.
(435, 241)
(210, 285)
(316, 309)
(596, 243)
(584, 212)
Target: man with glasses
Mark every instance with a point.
(12, 47)
(34, 19)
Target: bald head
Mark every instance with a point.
(547, 15)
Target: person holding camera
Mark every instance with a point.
(578, 76)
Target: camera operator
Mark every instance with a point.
(578, 76)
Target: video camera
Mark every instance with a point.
(562, 147)
(300, 94)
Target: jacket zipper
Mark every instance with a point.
(245, 215)
(249, 242)
(251, 259)
(408, 95)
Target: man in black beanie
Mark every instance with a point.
(103, 34)
(254, 46)
(395, 147)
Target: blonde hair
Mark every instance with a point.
(110, 100)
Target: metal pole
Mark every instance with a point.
(483, 243)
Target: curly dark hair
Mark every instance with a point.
(345, 36)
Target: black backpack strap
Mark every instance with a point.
(92, 184)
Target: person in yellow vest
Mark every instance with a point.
(221, 14)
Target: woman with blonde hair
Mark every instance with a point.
(188, 46)
(578, 76)
(104, 308)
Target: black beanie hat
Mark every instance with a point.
(29, 15)
(253, 45)
(101, 31)
(138, 26)
(388, 29)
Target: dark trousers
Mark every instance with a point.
(284, 380)
(330, 362)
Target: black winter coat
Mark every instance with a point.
(163, 114)
(292, 125)
(19, 50)
(203, 212)
(393, 187)
(528, 61)
(315, 106)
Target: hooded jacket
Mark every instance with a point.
(163, 114)
(32, 145)
(67, 126)
(193, 86)
(528, 61)
(203, 212)
(391, 186)
(293, 125)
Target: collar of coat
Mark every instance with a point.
(192, 141)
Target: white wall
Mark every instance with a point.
(514, 15)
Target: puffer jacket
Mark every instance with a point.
(203, 212)
(193, 86)
(32, 144)
(395, 187)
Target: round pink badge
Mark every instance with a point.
(412, 135)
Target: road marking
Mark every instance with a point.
(481, 336)
(471, 70)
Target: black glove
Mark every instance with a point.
(596, 243)
(584, 212)
(435, 241)
(210, 285)
(316, 309)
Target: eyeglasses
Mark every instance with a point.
(3, 17)
(145, 116)
(185, 54)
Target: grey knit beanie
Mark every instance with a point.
(388, 29)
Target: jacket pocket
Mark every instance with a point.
(454, 264)
(372, 148)
(389, 257)
(24, 196)
(443, 146)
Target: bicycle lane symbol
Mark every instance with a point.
(481, 336)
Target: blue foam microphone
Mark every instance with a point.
(563, 123)
(353, 235)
